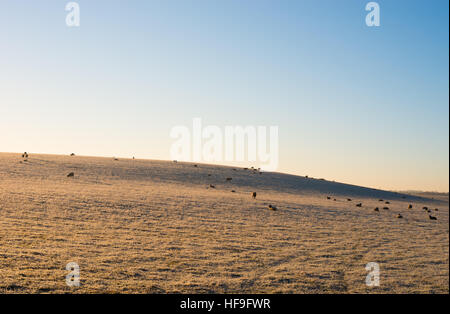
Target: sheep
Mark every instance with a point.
(71, 175)
(399, 216)
(358, 205)
(328, 198)
(432, 218)
(233, 191)
(410, 206)
(72, 154)
(272, 207)
(425, 208)
(349, 199)
(254, 194)
(387, 202)
(212, 186)
(229, 179)
(386, 208)
(376, 209)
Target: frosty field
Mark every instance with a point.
(143, 226)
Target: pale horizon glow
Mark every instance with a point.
(357, 105)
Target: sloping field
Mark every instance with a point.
(141, 226)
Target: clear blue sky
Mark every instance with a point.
(367, 106)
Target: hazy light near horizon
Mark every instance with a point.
(355, 104)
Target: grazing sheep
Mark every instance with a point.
(376, 209)
(229, 179)
(432, 218)
(410, 206)
(349, 199)
(380, 200)
(195, 166)
(387, 202)
(233, 191)
(386, 208)
(72, 154)
(212, 186)
(116, 159)
(334, 199)
(328, 198)
(436, 209)
(71, 175)
(399, 216)
(358, 205)
(272, 207)
(425, 208)
(254, 194)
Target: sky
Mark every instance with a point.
(355, 104)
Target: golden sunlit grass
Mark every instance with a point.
(139, 226)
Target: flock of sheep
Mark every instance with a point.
(272, 207)
(377, 209)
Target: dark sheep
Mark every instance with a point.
(358, 205)
(272, 207)
(432, 218)
(410, 206)
(229, 179)
(386, 208)
(376, 209)
(399, 216)
(254, 194)
(71, 175)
